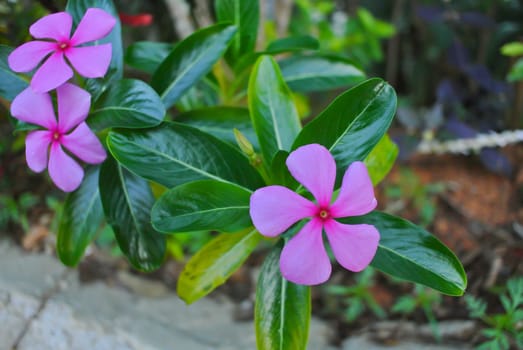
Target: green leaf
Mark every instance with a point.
(516, 72)
(212, 265)
(202, 205)
(318, 73)
(147, 55)
(190, 60)
(381, 159)
(81, 218)
(245, 15)
(293, 43)
(512, 49)
(10, 83)
(77, 9)
(220, 122)
(273, 112)
(289, 44)
(280, 174)
(409, 252)
(127, 201)
(173, 154)
(283, 309)
(353, 124)
(128, 103)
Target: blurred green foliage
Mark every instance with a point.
(502, 330)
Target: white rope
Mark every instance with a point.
(474, 144)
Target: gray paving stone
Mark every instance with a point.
(29, 273)
(16, 309)
(97, 316)
(364, 341)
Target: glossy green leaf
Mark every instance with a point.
(409, 252)
(273, 113)
(173, 154)
(10, 83)
(289, 44)
(318, 73)
(204, 94)
(190, 60)
(77, 9)
(381, 159)
(128, 103)
(283, 309)
(220, 122)
(280, 174)
(202, 205)
(353, 124)
(212, 265)
(127, 201)
(293, 43)
(81, 218)
(245, 15)
(147, 55)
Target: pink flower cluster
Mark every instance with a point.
(60, 51)
(274, 209)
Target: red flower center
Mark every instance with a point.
(57, 136)
(63, 45)
(323, 214)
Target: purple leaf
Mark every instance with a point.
(476, 19)
(430, 13)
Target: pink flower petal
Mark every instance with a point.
(55, 26)
(95, 24)
(53, 73)
(314, 167)
(354, 246)
(90, 61)
(27, 56)
(63, 170)
(84, 144)
(274, 209)
(356, 195)
(36, 149)
(73, 106)
(34, 108)
(304, 259)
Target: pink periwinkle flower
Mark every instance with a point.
(274, 209)
(73, 107)
(88, 61)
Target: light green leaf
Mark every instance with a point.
(380, 160)
(212, 265)
(512, 49)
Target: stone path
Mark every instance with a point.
(43, 307)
